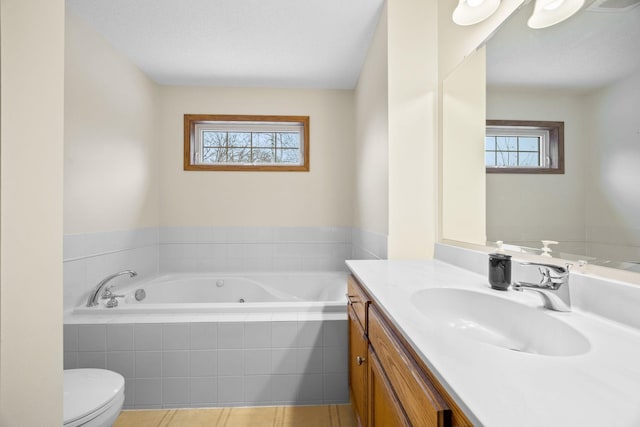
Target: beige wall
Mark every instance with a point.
(613, 194)
(111, 161)
(463, 170)
(32, 53)
(455, 43)
(371, 201)
(321, 197)
(525, 208)
(413, 92)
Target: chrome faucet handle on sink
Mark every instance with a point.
(553, 286)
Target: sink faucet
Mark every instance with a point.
(553, 286)
(103, 291)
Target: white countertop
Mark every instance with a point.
(497, 387)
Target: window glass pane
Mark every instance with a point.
(239, 155)
(288, 140)
(506, 143)
(239, 139)
(263, 155)
(214, 139)
(529, 143)
(266, 140)
(529, 159)
(490, 158)
(287, 156)
(509, 159)
(490, 143)
(214, 155)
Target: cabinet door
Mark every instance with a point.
(384, 408)
(420, 400)
(358, 368)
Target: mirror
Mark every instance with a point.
(585, 72)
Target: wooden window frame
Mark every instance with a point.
(191, 120)
(556, 145)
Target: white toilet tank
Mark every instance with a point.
(92, 397)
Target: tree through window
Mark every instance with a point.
(223, 142)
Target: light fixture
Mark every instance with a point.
(469, 12)
(549, 12)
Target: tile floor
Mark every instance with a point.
(276, 416)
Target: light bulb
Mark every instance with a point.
(476, 3)
(553, 5)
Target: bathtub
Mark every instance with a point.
(191, 342)
(229, 293)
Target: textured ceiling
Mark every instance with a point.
(259, 43)
(587, 51)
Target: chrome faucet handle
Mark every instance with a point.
(113, 301)
(553, 288)
(550, 267)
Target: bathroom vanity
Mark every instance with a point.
(414, 361)
(389, 383)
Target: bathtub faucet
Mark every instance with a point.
(103, 290)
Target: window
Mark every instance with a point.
(515, 146)
(248, 143)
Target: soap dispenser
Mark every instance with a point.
(546, 250)
(500, 271)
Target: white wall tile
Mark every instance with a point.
(70, 359)
(335, 388)
(284, 334)
(285, 388)
(257, 335)
(257, 361)
(257, 390)
(230, 390)
(203, 363)
(309, 360)
(147, 336)
(148, 391)
(284, 361)
(230, 362)
(230, 335)
(336, 333)
(203, 390)
(175, 336)
(120, 337)
(92, 337)
(175, 364)
(70, 337)
(310, 389)
(92, 359)
(148, 364)
(122, 362)
(175, 391)
(203, 336)
(310, 334)
(335, 359)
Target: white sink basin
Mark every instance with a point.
(500, 322)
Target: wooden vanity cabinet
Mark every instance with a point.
(358, 303)
(358, 364)
(397, 389)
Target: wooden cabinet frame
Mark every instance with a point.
(399, 389)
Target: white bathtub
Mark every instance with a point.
(231, 293)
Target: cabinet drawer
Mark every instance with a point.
(421, 402)
(358, 301)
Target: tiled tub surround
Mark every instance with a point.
(250, 360)
(200, 360)
(249, 249)
(88, 258)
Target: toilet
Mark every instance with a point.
(92, 397)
